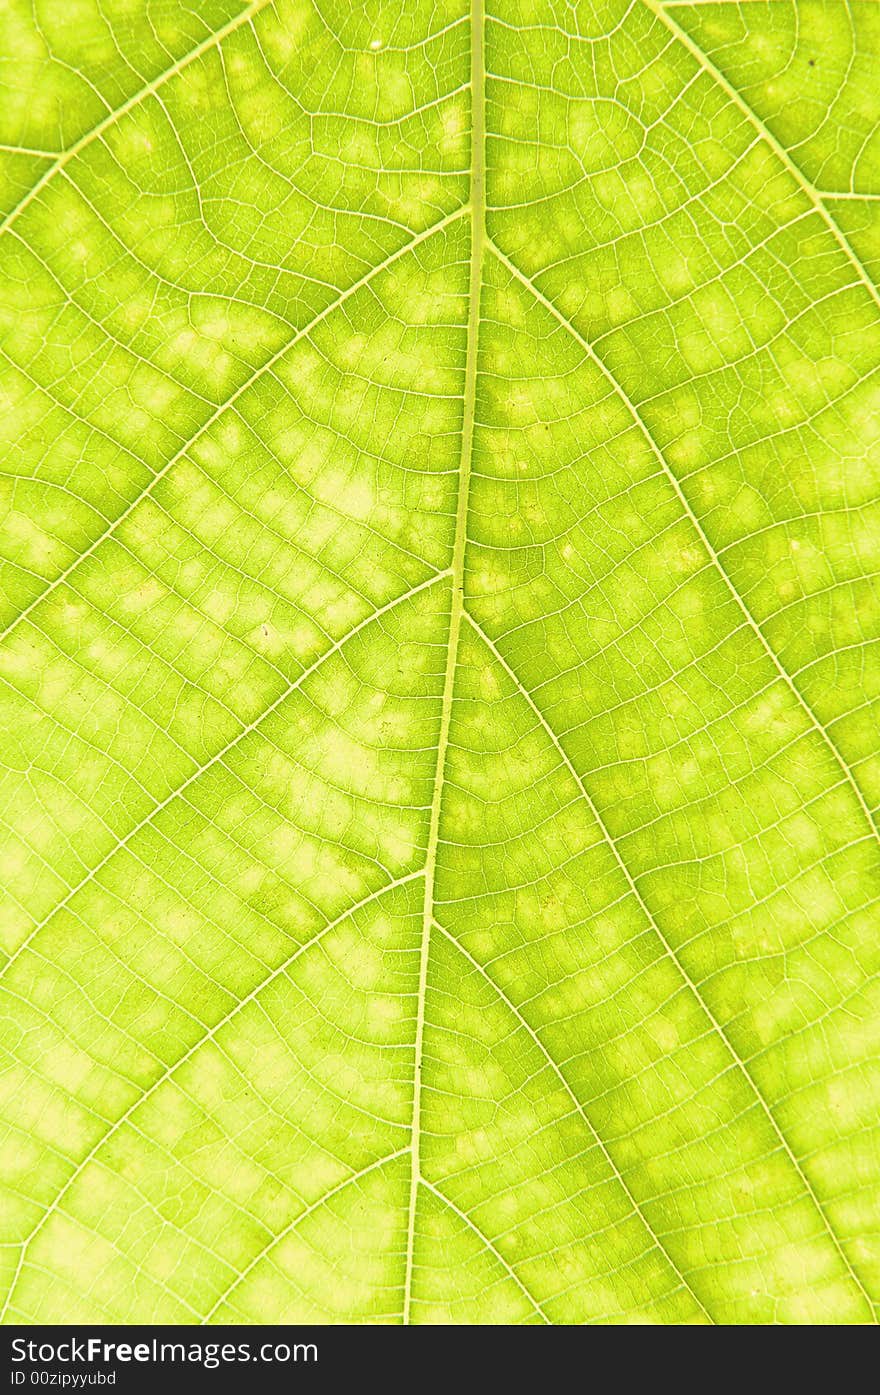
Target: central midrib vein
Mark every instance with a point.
(478, 242)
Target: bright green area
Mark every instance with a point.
(439, 678)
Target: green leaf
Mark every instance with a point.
(440, 675)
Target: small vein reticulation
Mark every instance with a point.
(455, 579)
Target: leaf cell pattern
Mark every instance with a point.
(439, 666)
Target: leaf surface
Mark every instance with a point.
(439, 661)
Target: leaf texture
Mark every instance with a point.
(439, 661)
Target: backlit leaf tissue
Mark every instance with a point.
(439, 674)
